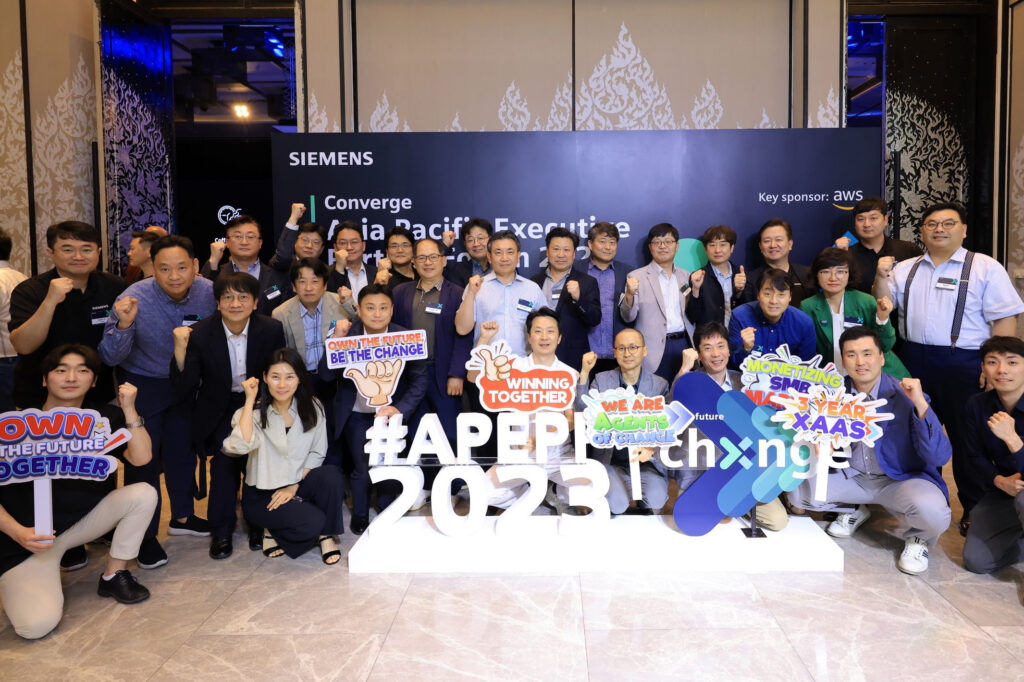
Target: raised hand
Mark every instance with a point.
(885, 308)
(383, 276)
(690, 357)
(843, 243)
(297, 212)
(589, 360)
(341, 328)
(59, 289)
(181, 336)
(378, 382)
(384, 264)
(340, 258)
(573, 287)
(344, 294)
(1002, 426)
(488, 330)
(496, 368)
(885, 265)
(217, 252)
(251, 386)
(448, 238)
(697, 280)
(739, 280)
(748, 336)
(473, 286)
(632, 286)
(126, 394)
(126, 308)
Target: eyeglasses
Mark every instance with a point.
(244, 237)
(432, 258)
(348, 244)
(86, 251)
(312, 242)
(628, 350)
(399, 246)
(946, 224)
(663, 242)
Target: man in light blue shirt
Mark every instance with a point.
(501, 296)
(949, 302)
(139, 339)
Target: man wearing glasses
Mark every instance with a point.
(243, 244)
(603, 241)
(297, 241)
(475, 233)
(655, 299)
(949, 302)
(397, 267)
(429, 303)
(350, 273)
(630, 352)
(66, 304)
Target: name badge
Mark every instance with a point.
(524, 306)
(852, 322)
(190, 320)
(946, 283)
(99, 314)
(434, 308)
(272, 293)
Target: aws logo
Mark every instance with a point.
(846, 196)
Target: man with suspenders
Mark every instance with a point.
(950, 301)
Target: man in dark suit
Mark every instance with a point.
(475, 234)
(716, 288)
(353, 414)
(610, 274)
(775, 239)
(243, 244)
(211, 360)
(350, 273)
(573, 296)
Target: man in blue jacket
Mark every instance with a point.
(763, 325)
(901, 471)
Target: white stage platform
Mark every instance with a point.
(624, 544)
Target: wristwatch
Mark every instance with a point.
(135, 424)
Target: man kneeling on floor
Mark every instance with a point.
(83, 510)
(901, 472)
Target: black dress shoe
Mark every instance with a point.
(123, 587)
(359, 524)
(220, 548)
(255, 539)
(74, 559)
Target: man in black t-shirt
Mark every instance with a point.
(66, 304)
(83, 510)
(870, 222)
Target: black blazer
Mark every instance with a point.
(206, 378)
(339, 279)
(621, 273)
(270, 297)
(451, 351)
(710, 307)
(575, 318)
(408, 395)
(458, 272)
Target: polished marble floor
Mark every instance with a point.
(252, 618)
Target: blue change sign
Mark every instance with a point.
(533, 182)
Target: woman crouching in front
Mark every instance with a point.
(286, 491)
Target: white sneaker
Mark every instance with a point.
(421, 500)
(914, 559)
(846, 524)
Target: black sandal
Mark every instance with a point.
(270, 546)
(330, 554)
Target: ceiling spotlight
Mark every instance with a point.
(242, 110)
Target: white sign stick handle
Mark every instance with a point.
(43, 493)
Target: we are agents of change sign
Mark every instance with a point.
(39, 446)
(375, 361)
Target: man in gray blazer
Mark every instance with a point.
(630, 351)
(655, 299)
(308, 318)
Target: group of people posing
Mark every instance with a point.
(226, 362)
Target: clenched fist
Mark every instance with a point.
(843, 243)
(341, 328)
(474, 283)
(632, 286)
(217, 252)
(126, 394)
(885, 307)
(181, 336)
(589, 360)
(297, 212)
(59, 289)
(344, 294)
(448, 238)
(885, 265)
(126, 308)
(697, 281)
(488, 330)
(748, 335)
(573, 287)
(690, 357)
(251, 386)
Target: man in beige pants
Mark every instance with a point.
(30, 589)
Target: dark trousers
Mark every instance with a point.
(672, 359)
(226, 475)
(950, 376)
(315, 510)
(996, 536)
(168, 424)
(354, 435)
(7, 366)
(447, 409)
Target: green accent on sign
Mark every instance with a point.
(691, 255)
(312, 208)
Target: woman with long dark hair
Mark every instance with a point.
(286, 491)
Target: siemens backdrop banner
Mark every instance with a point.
(534, 182)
